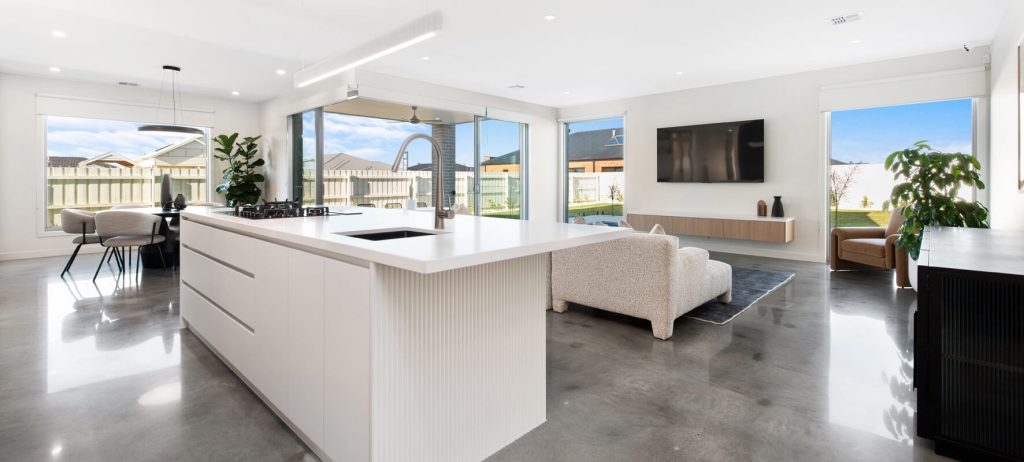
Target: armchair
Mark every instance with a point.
(859, 248)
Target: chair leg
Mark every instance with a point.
(71, 260)
(138, 261)
(160, 252)
(129, 262)
(100, 266)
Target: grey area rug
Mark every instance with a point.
(748, 286)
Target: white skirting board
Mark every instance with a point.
(458, 359)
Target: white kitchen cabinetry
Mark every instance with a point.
(292, 324)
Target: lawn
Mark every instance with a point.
(595, 209)
(859, 218)
(581, 210)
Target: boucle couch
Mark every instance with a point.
(643, 275)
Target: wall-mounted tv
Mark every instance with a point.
(731, 152)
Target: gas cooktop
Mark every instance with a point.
(279, 209)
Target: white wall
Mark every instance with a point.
(22, 157)
(1007, 200)
(543, 142)
(796, 166)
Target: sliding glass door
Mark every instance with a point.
(500, 163)
(593, 171)
(342, 155)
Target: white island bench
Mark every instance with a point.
(421, 348)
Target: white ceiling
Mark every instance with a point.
(594, 50)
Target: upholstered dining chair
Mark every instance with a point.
(82, 224)
(122, 229)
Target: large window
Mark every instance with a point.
(861, 139)
(94, 164)
(593, 170)
(346, 158)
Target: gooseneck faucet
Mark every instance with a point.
(440, 211)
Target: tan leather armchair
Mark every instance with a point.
(858, 248)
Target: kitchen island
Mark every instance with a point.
(405, 348)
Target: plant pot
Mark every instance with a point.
(912, 272)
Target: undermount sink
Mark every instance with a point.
(388, 234)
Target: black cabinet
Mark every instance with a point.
(969, 345)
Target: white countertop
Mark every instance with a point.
(973, 249)
(465, 241)
(724, 216)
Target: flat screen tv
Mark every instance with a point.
(731, 152)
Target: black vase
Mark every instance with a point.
(777, 211)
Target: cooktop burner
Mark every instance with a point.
(279, 209)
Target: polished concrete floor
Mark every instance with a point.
(818, 370)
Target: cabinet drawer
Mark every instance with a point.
(228, 287)
(226, 246)
(234, 341)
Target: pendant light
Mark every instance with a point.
(173, 128)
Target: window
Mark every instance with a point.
(861, 139)
(594, 163)
(347, 158)
(94, 164)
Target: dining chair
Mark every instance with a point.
(81, 223)
(122, 229)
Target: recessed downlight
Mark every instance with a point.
(549, 17)
(58, 33)
(566, 92)
(280, 72)
(679, 72)
(856, 41)
(234, 93)
(54, 69)
(425, 58)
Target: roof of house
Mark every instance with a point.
(838, 162)
(595, 144)
(107, 158)
(64, 161)
(342, 161)
(425, 167)
(172, 147)
(589, 145)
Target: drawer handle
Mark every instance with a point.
(220, 308)
(248, 274)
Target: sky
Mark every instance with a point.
(869, 135)
(71, 136)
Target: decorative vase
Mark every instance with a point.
(165, 192)
(762, 209)
(179, 202)
(777, 210)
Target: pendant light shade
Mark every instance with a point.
(173, 128)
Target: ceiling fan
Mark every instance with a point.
(415, 120)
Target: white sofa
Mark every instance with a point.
(644, 275)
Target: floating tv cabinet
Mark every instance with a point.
(740, 227)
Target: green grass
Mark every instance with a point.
(595, 209)
(859, 218)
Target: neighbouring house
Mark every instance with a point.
(342, 161)
(428, 167)
(64, 161)
(109, 160)
(592, 151)
(187, 153)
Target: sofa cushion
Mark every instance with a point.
(871, 247)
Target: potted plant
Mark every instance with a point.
(241, 180)
(929, 195)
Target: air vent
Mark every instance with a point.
(128, 84)
(840, 20)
